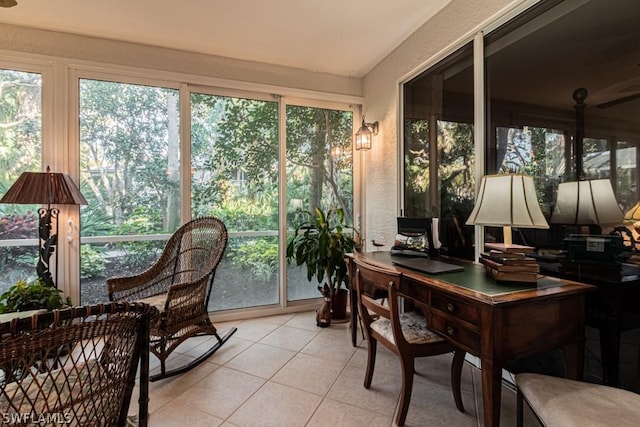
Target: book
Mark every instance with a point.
(510, 249)
(512, 276)
(524, 268)
(509, 259)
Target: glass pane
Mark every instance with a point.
(627, 167)
(596, 163)
(319, 174)
(439, 160)
(20, 151)
(130, 175)
(558, 91)
(234, 176)
(536, 152)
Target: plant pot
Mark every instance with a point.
(339, 305)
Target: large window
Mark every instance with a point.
(130, 161)
(20, 151)
(130, 175)
(439, 161)
(535, 66)
(536, 123)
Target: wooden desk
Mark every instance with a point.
(496, 322)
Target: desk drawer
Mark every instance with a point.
(468, 339)
(452, 307)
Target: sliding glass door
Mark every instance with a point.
(234, 176)
(319, 173)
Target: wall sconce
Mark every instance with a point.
(365, 135)
(45, 188)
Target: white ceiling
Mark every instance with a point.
(343, 37)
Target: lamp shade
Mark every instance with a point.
(44, 188)
(507, 200)
(633, 214)
(588, 202)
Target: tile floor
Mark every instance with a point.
(284, 371)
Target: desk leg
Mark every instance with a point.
(491, 392)
(354, 317)
(574, 361)
(610, 353)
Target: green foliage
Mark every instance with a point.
(258, 255)
(321, 242)
(25, 296)
(92, 262)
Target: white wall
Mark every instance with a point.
(75, 47)
(448, 30)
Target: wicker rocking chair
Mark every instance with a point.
(179, 286)
(75, 366)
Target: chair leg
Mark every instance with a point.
(371, 361)
(456, 377)
(519, 408)
(408, 371)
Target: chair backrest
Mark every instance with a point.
(75, 366)
(378, 293)
(191, 255)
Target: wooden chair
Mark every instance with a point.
(75, 366)
(562, 402)
(405, 334)
(179, 285)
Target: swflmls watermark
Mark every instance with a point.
(31, 418)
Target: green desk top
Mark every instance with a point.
(473, 277)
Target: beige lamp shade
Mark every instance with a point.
(44, 188)
(507, 200)
(633, 214)
(588, 202)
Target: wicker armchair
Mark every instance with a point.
(75, 366)
(179, 286)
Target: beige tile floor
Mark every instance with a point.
(284, 371)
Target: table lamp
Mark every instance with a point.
(632, 217)
(507, 200)
(588, 202)
(45, 188)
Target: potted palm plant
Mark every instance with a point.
(321, 242)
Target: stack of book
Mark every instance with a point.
(510, 266)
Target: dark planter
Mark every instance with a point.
(339, 305)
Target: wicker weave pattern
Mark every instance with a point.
(184, 275)
(75, 366)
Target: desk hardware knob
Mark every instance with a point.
(451, 330)
(450, 307)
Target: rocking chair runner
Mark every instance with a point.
(179, 285)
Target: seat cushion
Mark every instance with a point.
(563, 402)
(61, 389)
(414, 329)
(157, 301)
